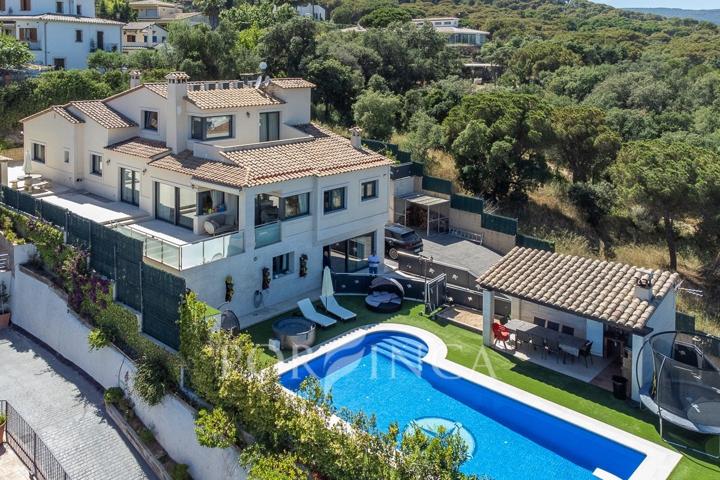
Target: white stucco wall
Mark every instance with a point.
(529, 310)
(41, 311)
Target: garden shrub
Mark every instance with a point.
(153, 378)
(113, 395)
(180, 472)
(215, 428)
(98, 338)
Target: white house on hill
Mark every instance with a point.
(310, 10)
(456, 35)
(224, 179)
(60, 33)
(142, 35)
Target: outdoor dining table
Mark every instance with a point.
(567, 343)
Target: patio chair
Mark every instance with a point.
(568, 330)
(334, 308)
(521, 338)
(309, 312)
(585, 352)
(500, 333)
(552, 347)
(553, 326)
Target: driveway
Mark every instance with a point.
(67, 412)
(455, 251)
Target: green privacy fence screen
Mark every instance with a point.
(118, 257)
(438, 185)
(467, 204)
(499, 223)
(162, 293)
(534, 242)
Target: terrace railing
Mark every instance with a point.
(267, 234)
(189, 255)
(29, 447)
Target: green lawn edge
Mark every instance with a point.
(466, 348)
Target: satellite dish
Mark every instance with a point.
(263, 66)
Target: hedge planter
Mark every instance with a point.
(3, 421)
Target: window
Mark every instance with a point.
(334, 199)
(369, 190)
(96, 164)
(295, 206)
(59, 63)
(78, 36)
(2, 4)
(66, 156)
(25, 5)
(58, 7)
(175, 205)
(28, 35)
(38, 152)
(78, 9)
(211, 128)
(269, 126)
(282, 265)
(154, 38)
(150, 120)
(145, 37)
(129, 186)
(349, 255)
(130, 38)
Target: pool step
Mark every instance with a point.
(411, 346)
(406, 353)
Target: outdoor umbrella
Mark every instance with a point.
(327, 286)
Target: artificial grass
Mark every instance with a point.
(466, 348)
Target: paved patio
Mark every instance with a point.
(11, 467)
(67, 412)
(447, 248)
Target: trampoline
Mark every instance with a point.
(679, 381)
(385, 296)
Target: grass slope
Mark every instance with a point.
(466, 348)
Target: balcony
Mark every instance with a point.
(267, 234)
(182, 256)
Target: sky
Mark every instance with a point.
(687, 4)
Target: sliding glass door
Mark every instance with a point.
(129, 186)
(175, 205)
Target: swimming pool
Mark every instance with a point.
(395, 375)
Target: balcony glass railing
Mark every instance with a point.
(189, 255)
(267, 234)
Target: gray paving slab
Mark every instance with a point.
(66, 410)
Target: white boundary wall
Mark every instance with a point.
(42, 311)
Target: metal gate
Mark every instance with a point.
(435, 292)
(29, 447)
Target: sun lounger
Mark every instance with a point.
(333, 307)
(309, 312)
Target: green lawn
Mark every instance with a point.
(466, 348)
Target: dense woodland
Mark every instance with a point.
(602, 133)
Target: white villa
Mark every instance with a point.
(219, 179)
(310, 10)
(60, 33)
(142, 35)
(457, 35)
(161, 13)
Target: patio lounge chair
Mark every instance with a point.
(334, 308)
(309, 312)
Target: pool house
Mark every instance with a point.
(568, 308)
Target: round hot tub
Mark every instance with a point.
(294, 332)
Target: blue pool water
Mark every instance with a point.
(382, 374)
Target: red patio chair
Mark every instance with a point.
(501, 333)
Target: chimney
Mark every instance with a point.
(176, 125)
(355, 138)
(644, 284)
(135, 78)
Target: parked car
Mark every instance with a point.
(401, 238)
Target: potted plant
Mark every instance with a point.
(4, 306)
(3, 420)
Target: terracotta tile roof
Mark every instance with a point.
(595, 289)
(325, 154)
(66, 114)
(231, 98)
(52, 17)
(140, 147)
(221, 98)
(213, 171)
(103, 114)
(292, 83)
